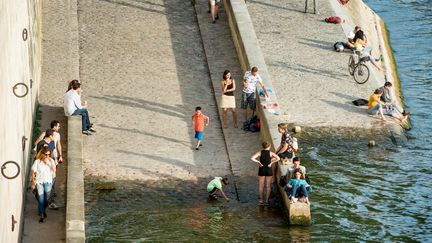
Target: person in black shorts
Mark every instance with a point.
(265, 174)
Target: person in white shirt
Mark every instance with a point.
(74, 107)
(42, 177)
(250, 80)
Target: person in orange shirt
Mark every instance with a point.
(199, 120)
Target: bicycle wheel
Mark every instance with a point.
(351, 65)
(361, 73)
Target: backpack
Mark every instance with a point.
(283, 180)
(252, 124)
(333, 19)
(339, 46)
(360, 102)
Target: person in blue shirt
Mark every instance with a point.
(298, 188)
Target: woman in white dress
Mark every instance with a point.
(228, 87)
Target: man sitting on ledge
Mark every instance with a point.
(73, 107)
(390, 106)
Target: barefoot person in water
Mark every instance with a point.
(266, 159)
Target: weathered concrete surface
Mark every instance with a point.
(221, 55)
(143, 71)
(298, 49)
(75, 211)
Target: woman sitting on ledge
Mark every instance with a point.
(375, 104)
(298, 188)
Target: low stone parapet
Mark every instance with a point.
(250, 55)
(75, 213)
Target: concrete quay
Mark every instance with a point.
(313, 78)
(143, 82)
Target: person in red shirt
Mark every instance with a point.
(199, 120)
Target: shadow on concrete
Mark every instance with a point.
(172, 161)
(303, 68)
(152, 135)
(325, 45)
(346, 106)
(345, 96)
(275, 6)
(138, 5)
(144, 104)
(53, 229)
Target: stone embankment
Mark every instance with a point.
(298, 49)
(314, 87)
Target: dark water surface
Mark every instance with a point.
(380, 194)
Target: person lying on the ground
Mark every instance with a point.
(298, 188)
(296, 166)
(216, 185)
(375, 104)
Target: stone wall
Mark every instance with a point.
(20, 62)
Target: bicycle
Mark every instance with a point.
(357, 67)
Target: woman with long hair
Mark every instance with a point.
(228, 87)
(266, 159)
(298, 188)
(42, 179)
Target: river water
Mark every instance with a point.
(361, 194)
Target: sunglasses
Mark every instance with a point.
(47, 154)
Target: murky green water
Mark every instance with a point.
(360, 194)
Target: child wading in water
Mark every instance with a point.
(216, 185)
(199, 120)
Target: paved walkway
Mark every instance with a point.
(57, 69)
(144, 71)
(310, 78)
(221, 55)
